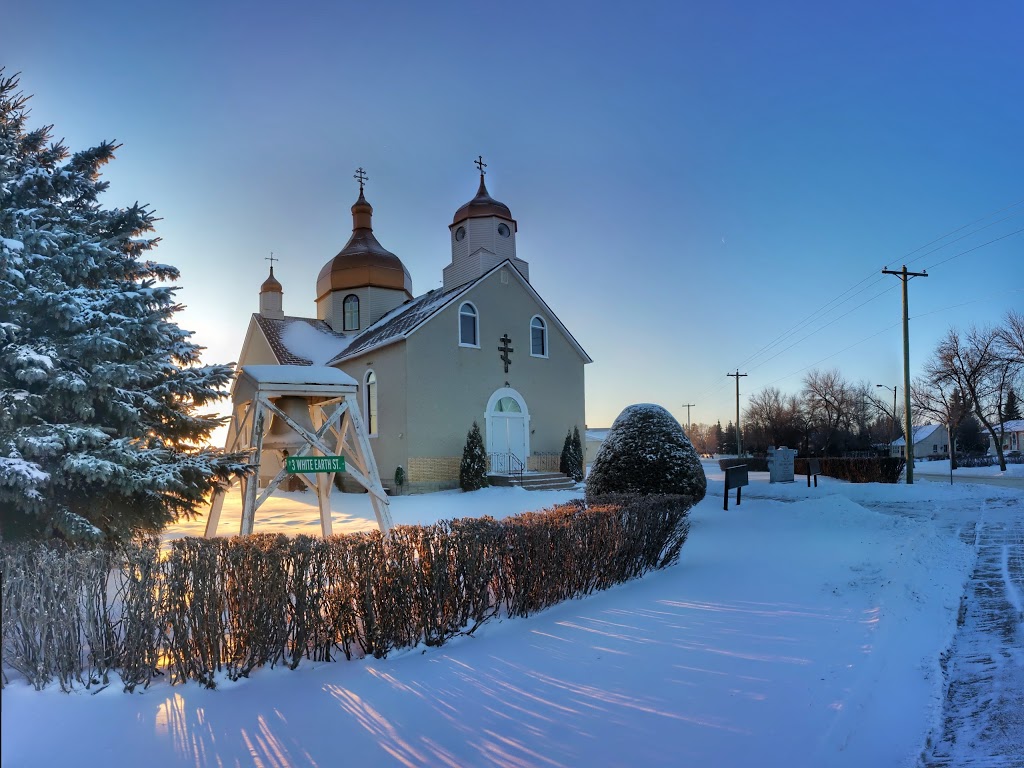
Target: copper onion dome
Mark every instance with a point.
(482, 205)
(363, 261)
(271, 285)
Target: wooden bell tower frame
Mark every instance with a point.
(333, 401)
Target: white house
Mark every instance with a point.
(484, 347)
(929, 440)
(1013, 437)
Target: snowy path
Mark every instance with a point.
(983, 715)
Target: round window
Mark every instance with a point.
(503, 230)
(460, 233)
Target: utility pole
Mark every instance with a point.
(688, 406)
(904, 277)
(739, 442)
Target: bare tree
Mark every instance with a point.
(829, 401)
(1010, 336)
(944, 402)
(703, 438)
(974, 363)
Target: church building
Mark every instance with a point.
(485, 347)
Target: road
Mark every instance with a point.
(1006, 482)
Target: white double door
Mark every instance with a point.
(508, 429)
(508, 435)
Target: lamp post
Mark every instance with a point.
(892, 419)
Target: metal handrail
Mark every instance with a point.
(507, 464)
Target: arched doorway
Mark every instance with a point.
(507, 422)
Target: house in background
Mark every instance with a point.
(484, 348)
(929, 440)
(1013, 437)
(594, 439)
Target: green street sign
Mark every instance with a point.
(305, 464)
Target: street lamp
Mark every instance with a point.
(892, 419)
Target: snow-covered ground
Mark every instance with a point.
(804, 627)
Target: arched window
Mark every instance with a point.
(469, 326)
(370, 402)
(538, 337)
(351, 308)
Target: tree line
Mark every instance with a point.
(970, 383)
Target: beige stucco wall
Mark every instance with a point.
(391, 442)
(450, 385)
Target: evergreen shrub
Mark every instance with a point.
(473, 468)
(646, 452)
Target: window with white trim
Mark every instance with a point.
(538, 337)
(351, 310)
(469, 326)
(370, 402)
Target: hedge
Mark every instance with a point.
(206, 607)
(880, 469)
(754, 463)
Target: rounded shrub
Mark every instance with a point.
(646, 452)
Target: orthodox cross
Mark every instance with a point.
(271, 259)
(361, 176)
(506, 350)
(479, 163)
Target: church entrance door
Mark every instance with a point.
(507, 422)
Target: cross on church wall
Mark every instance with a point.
(506, 350)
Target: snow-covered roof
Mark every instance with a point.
(921, 432)
(302, 340)
(598, 434)
(317, 344)
(401, 321)
(1016, 425)
(297, 374)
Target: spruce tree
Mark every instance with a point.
(98, 386)
(719, 438)
(565, 460)
(1011, 408)
(577, 456)
(473, 469)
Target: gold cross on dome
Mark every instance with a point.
(479, 163)
(361, 177)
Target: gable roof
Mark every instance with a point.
(276, 334)
(402, 322)
(396, 325)
(921, 432)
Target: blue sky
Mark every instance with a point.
(691, 181)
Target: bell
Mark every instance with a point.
(280, 436)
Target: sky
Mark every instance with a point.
(700, 188)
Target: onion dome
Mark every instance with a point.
(270, 285)
(481, 206)
(363, 262)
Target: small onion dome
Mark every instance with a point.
(481, 206)
(363, 262)
(270, 285)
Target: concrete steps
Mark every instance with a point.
(536, 481)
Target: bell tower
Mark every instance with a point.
(483, 234)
